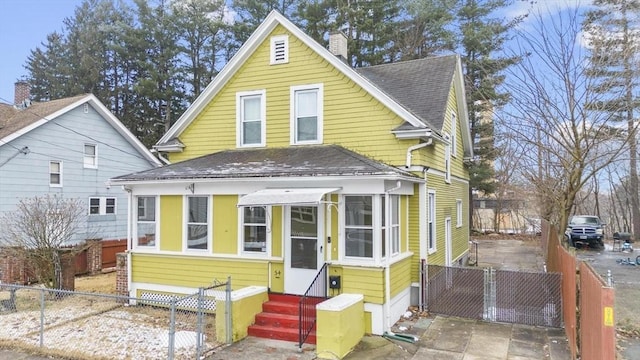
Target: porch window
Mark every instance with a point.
(146, 221)
(431, 225)
(359, 226)
(251, 109)
(197, 222)
(394, 228)
(306, 114)
(254, 229)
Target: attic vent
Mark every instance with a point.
(86, 108)
(279, 49)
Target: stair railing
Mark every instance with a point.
(315, 294)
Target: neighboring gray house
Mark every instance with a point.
(70, 147)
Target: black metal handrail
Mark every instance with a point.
(315, 294)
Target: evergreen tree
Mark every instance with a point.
(49, 69)
(251, 13)
(482, 38)
(613, 29)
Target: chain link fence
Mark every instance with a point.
(91, 326)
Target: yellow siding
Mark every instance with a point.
(414, 230)
(225, 224)
(171, 223)
(400, 276)
(196, 271)
(366, 281)
(277, 277)
(446, 196)
(277, 234)
(346, 106)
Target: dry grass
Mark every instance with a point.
(101, 283)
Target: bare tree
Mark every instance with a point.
(554, 115)
(39, 229)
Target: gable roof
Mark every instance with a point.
(311, 160)
(256, 39)
(17, 122)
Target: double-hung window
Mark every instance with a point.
(146, 221)
(431, 224)
(102, 205)
(90, 156)
(197, 222)
(447, 159)
(359, 226)
(254, 229)
(306, 114)
(251, 115)
(454, 135)
(55, 173)
(459, 213)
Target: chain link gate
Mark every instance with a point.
(495, 295)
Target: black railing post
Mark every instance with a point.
(315, 294)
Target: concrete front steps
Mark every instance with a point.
(279, 320)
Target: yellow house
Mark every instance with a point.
(291, 162)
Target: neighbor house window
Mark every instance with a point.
(102, 205)
(90, 156)
(306, 114)
(279, 49)
(394, 228)
(197, 222)
(454, 135)
(431, 224)
(358, 226)
(251, 111)
(55, 173)
(146, 221)
(254, 229)
(458, 213)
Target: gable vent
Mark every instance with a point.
(280, 49)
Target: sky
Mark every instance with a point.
(24, 25)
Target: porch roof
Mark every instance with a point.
(291, 196)
(298, 161)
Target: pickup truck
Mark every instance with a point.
(585, 230)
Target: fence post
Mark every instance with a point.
(227, 312)
(489, 295)
(42, 318)
(172, 329)
(609, 279)
(199, 332)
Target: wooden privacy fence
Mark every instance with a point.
(588, 311)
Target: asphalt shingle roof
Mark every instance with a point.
(421, 86)
(12, 119)
(313, 160)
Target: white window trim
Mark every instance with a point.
(293, 113)
(59, 173)
(156, 222)
(273, 41)
(392, 225)
(102, 205)
(447, 159)
(459, 213)
(185, 224)
(454, 135)
(431, 218)
(241, 224)
(85, 156)
(376, 238)
(263, 117)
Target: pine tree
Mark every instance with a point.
(482, 38)
(613, 29)
(48, 69)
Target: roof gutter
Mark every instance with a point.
(414, 148)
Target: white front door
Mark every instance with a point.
(304, 247)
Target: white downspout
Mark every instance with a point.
(387, 270)
(159, 154)
(414, 148)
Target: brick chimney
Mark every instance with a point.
(338, 45)
(22, 92)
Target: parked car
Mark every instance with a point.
(585, 230)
